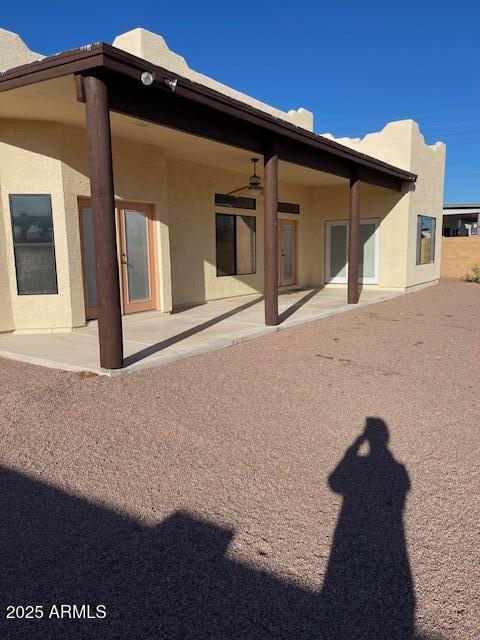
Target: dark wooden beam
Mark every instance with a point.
(353, 236)
(161, 107)
(379, 179)
(318, 159)
(270, 217)
(103, 209)
(57, 66)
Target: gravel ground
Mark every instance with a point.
(321, 482)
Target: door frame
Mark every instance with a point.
(343, 280)
(281, 222)
(152, 303)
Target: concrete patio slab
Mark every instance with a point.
(152, 339)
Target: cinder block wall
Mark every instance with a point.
(459, 255)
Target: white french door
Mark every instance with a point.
(336, 251)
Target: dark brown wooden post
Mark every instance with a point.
(353, 236)
(270, 230)
(103, 209)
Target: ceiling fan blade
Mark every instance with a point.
(230, 193)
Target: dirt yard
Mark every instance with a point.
(319, 483)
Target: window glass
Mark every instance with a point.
(338, 250)
(136, 239)
(425, 240)
(225, 244)
(245, 237)
(235, 239)
(367, 257)
(89, 256)
(33, 242)
(288, 251)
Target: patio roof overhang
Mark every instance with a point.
(201, 111)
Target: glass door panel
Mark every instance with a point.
(288, 249)
(337, 254)
(136, 258)
(336, 265)
(367, 253)
(136, 254)
(88, 261)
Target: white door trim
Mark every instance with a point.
(343, 280)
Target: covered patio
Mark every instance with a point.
(152, 339)
(109, 80)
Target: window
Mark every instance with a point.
(235, 238)
(425, 239)
(33, 244)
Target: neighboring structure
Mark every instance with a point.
(461, 240)
(461, 220)
(184, 217)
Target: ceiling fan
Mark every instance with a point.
(254, 185)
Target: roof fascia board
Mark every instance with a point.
(62, 64)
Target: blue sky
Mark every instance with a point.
(356, 65)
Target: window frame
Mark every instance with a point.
(235, 215)
(51, 243)
(418, 261)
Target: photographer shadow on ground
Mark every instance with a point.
(176, 579)
(368, 589)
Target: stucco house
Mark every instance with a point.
(131, 182)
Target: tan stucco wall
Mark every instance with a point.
(191, 190)
(459, 255)
(29, 163)
(387, 206)
(426, 199)
(140, 176)
(14, 52)
(51, 158)
(401, 144)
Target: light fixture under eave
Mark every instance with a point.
(147, 78)
(170, 83)
(254, 186)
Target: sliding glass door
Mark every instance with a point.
(336, 263)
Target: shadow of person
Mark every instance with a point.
(368, 588)
(175, 578)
